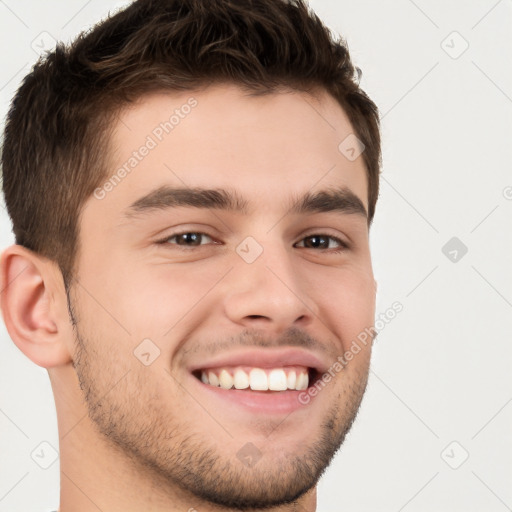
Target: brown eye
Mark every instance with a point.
(187, 239)
(319, 241)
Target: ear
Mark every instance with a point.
(34, 306)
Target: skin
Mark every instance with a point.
(136, 437)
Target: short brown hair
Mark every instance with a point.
(56, 137)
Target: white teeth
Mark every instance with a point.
(258, 380)
(277, 380)
(241, 380)
(292, 378)
(225, 379)
(302, 381)
(214, 380)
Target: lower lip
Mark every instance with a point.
(266, 402)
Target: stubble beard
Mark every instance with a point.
(161, 447)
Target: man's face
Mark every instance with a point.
(268, 288)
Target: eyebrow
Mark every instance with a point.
(340, 199)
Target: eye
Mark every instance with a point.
(321, 241)
(315, 241)
(186, 239)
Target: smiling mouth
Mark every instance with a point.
(255, 379)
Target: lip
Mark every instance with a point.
(258, 402)
(264, 358)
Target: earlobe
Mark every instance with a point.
(31, 302)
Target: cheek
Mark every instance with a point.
(156, 299)
(348, 300)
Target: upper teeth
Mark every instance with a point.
(258, 379)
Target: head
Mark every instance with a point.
(240, 123)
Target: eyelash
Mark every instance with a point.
(343, 245)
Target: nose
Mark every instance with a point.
(270, 293)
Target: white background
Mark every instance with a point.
(440, 387)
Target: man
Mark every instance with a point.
(191, 186)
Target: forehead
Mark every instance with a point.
(266, 147)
